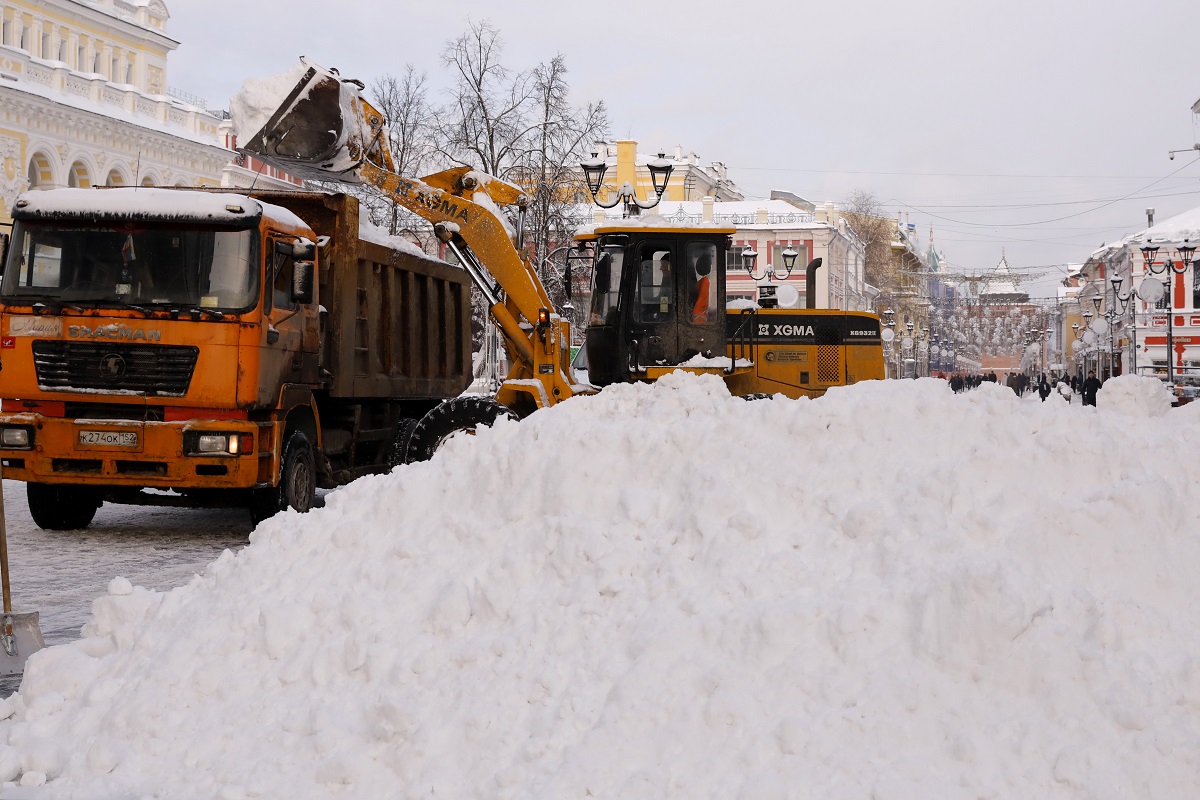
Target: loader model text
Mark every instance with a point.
(785, 330)
(434, 201)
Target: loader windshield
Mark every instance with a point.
(151, 267)
(606, 285)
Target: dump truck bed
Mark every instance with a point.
(398, 322)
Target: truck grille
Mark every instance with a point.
(126, 368)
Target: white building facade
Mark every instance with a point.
(84, 102)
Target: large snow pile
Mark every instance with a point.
(666, 592)
(1132, 394)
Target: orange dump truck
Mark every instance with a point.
(205, 348)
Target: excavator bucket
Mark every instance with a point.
(322, 130)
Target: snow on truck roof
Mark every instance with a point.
(157, 204)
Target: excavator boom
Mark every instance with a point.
(324, 130)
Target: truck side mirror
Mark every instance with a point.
(302, 249)
(302, 282)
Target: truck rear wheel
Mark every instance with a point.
(460, 415)
(62, 507)
(297, 482)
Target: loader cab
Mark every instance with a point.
(658, 298)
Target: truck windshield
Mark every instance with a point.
(165, 267)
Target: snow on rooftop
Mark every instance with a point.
(738, 207)
(664, 591)
(118, 113)
(1172, 231)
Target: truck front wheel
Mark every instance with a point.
(297, 482)
(62, 507)
(404, 432)
(460, 415)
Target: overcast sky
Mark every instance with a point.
(1007, 127)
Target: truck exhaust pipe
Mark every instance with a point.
(810, 283)
(322, 129)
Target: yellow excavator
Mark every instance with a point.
(658, 289)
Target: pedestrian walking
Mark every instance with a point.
(1043, 387)
(1090, 387)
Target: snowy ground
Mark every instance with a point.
(665, 592)
(59, 573)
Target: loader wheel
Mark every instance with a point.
(404, 431)
(460, 415)
(297, 482)
(756, 396)
(62, 507)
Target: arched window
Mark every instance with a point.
(40, 174)
(114, 178)
(78, 177)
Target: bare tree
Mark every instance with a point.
(866, 215)
(520, 126)
(405, 107)
(485, 125)
(550, 170)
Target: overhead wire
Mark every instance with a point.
(1045, 221)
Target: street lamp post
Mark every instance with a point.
(660, 173)
(767, 297)
(1185, 253)
(1115, 311)
(888, 333)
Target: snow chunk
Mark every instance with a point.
(120, 586)
(370, 232)
(259, 98)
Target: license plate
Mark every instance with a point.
(109, 438)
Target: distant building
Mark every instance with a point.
(84, 101)
(1141, 326)
(1003, 320)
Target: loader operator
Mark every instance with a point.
(700, 309)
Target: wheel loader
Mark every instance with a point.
(646, 318)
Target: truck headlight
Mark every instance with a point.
(15, 437)
(212, 443)
(222, 444)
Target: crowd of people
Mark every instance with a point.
(1021, 383)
